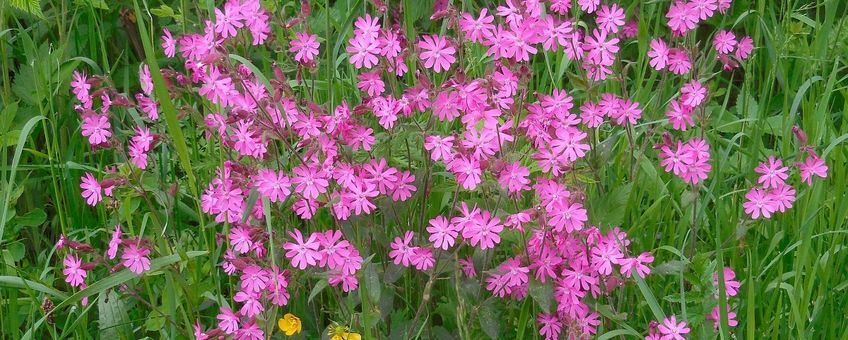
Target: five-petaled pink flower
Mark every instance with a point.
(305, 47)
(302, 253)
(135, 258)
(74, 274)
(436, 52)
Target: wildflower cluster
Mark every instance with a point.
(509, 153)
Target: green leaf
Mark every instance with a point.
(32, 7)
(98, 4)
(113, 322)
(489, 320)
(316, 290)
(163, 11)
(542, 294)
(34, 217)
(24, 284)
(10, 182)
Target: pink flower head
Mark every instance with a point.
(169, 44)
(812, 166)
(401, 252)
(680, 116)
(91, 189)
(682, 17)
(310, 181)
(136, 258)
(96, 128)
(476, 29)
(363, 51)
(305, 47)
(228, 321)
(484, 229)
(442, 233)
(74, 274)
(273, 185)
(715, 317)
(724, 42)
(254, 279)
(759, 203)
(549, 326)
(228, 20)
(659, 54)
(784, 196)
(610, 18)
(679, 62)
(670, 329)
(302, 253)
(513, 178)
(705, 8)
(371, 83)
(437, 52)
(693, 94)
(772, 173)
(114, 242)
(744, 48)
(731, 286)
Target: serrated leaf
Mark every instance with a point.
(32, 7)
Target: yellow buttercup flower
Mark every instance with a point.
(346, 336)
(290, 324)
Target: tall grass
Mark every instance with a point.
(792, 267)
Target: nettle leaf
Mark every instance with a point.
(610, 212)
(489, 320)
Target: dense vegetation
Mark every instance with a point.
(423, 169)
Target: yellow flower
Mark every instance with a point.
(346, 336)
(290, 324)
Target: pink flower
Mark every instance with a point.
(114, 242)
(476, 29)
(227, 21)
(591, 115)
(731, 286)
(74, 274)
(250, 331)
(682, 17)
(772, 173)
(302, 254)
(81, 88)
(513, 178)
(240, 239)
(589, 6)
(628, 111)
(484, 229)
(251, 305)
(254, 279)
(784, 196)
(724, 42)
(401, 252)
(673, 330)
(437, 53)
(812, 166)
(610, 18)
(468, 267)
(273, 185)
(367, 26)
(442, 233)
(422, 258)
(359, 197)
(467, 171)
(678, 61)
(91, 189)
(218, 87)
(744, 48)
(305, 47)
(390, 45)
(680, 116)
(567, 216)
(145, 79)
(759, 203)
(715, 317)
(604, 255)
(96, 128)
(705, 8)
(659, 54)
(371, 83)
(309, 181)
(404, 187)
(637, 264)
(693, 94)
(549, 326)
(136, 258)
(333, 249)
(380, 174)
(228, 321)
(168, 43)
(569, 143)
(363, 52)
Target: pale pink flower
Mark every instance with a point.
(485, 229)
(772, 173)
(812, 166)
(724, 42)
(228, 321)
(363, 52)
(673, 330)
(442, 233)
(659, 54)
(168, 43)
(476, 29)
(744, 48)
(693, 93)
(610, 18)
(401, 252)
(759, 204)
(273, 185)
